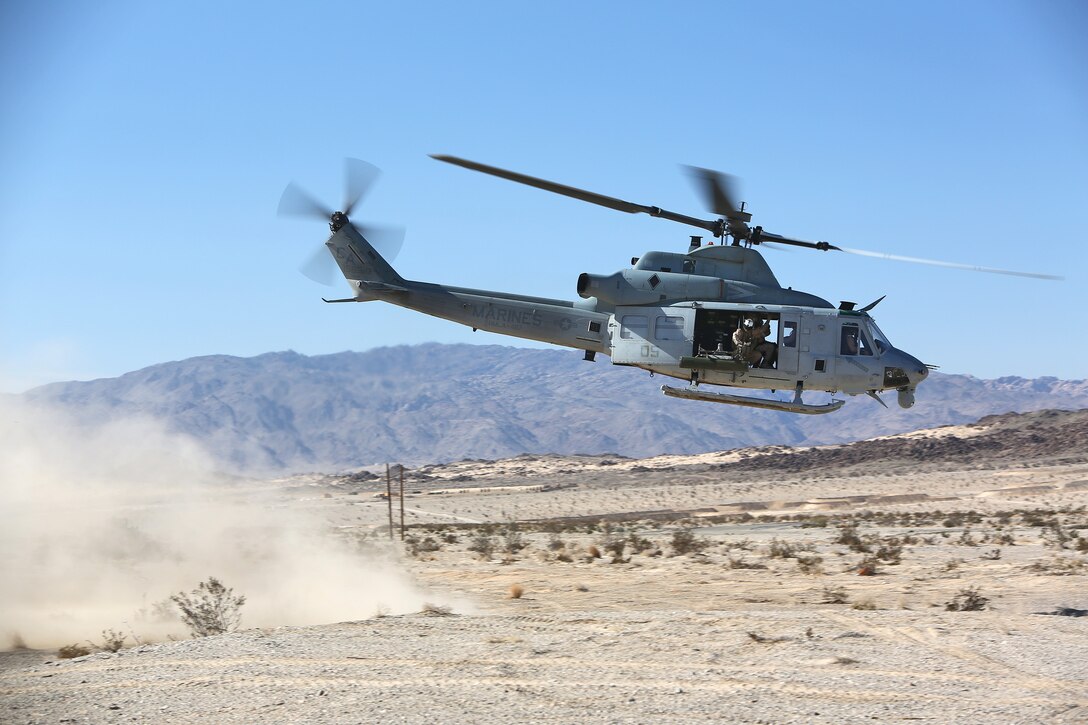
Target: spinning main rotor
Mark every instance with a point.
(733, 223)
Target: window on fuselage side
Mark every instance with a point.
(632, 326)
(669, 328)
(789, 334)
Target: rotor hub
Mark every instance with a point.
(338, 220)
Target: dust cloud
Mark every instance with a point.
(100, 525)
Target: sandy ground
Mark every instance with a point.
(766, 620)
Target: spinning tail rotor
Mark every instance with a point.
(359, 177)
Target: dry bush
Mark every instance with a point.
(739, 562)
(867, 605)
(992, 554)
(512, 540)
(1059, 566)
(555, 543)
(779, 549)
(483, 545)
(868, 566)
(890, 551)
(809, 564)
(848, 536)
(515, 591)
(967, 600)
(564, 557)
(686, 542)
(71, 651)
(834, 595)
(435, 610)
(210, 609)
(112, 640)
(417, 546)
(638, 544)
(593, 552)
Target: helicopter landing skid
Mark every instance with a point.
(786, 406)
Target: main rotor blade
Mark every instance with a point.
(717, 190)
(295, 201)
(358, 177)
(951, 265)
(762, 237)
(610, 202)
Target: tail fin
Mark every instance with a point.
(359, 261)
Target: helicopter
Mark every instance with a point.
(714, 315)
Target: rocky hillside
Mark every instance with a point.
(283, 412)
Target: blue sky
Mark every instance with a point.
(144, 147)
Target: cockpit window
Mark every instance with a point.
(879, 338)
(854, 341)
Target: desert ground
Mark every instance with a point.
(937, 576)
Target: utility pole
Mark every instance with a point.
(401, 502)
(389, 499)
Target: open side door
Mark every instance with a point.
(652, 335)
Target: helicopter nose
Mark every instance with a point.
(903, 370)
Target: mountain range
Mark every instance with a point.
(285, 412)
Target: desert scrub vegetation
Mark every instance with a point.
(71, 651)
(483, 545)
(684, 541)
(210, 609)
(968, 599)
(833, 595)
(1060, 566)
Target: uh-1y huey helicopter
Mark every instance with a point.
(715, 315)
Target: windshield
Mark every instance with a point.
(879, 338)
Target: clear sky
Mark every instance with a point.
(144, 146)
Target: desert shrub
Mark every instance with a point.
(890, 551)
(512, 540)
(435, 610)
(952, 564)
(564, 557)
(417, 546)
(686, 542)
(555, 543)
(593, 552)
(779, 549)
(815, 522)
(450, 538)
(515, 591)
(833, 595)
(966, 539)
(868, 566)
(638, 544)
(112, 640)
(848, 536)
(967, 600)
(992, 554)
(210, 609)
(1082, 543)
(70, 651)
(1057, 536)
(615, 547)
(739, 562)
(867, 605)
(483, 545)
(809, 564)
(1059, 566)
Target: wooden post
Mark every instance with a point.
(402, 502)
(389, 498)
